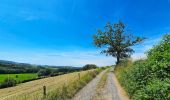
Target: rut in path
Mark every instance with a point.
(111, 91)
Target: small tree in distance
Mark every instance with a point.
(89, 66)
(116, 40)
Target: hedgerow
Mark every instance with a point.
(148, 79)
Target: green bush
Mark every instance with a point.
(154, 90)
(44, 72)
(89, 66)
(8, 82)
(149, 79)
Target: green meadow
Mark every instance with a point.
(18, 77)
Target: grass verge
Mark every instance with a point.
(68, 90)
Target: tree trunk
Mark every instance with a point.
(118, 60)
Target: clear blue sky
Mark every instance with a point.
(59, 32)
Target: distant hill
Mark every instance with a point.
(7, 67)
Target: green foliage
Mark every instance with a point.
(8, 67)
(58, 71)
(8, 82)
(149, 79)
(44, 72)
(117, 41)
(156, 89)
(89, 66)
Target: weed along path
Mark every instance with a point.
(104, 87)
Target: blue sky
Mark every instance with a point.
(59, 32)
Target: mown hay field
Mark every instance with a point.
(33, 90)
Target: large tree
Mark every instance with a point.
(117, 41)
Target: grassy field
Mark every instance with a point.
(57, 86)
(18, 77)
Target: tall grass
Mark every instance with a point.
(68, 90)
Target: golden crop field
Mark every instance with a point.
(33, 90)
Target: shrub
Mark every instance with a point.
(89, 66)
(44, 72)
(154, 90)
(148, 79)
(8, 82)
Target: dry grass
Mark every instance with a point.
(34, 90)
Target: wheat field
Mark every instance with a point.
(33, 90)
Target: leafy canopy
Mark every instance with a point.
(89, 66)
(116, 40)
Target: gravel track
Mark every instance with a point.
(111, 91)
(89, 90)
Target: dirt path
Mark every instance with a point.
(111, 91)
(89, 90)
